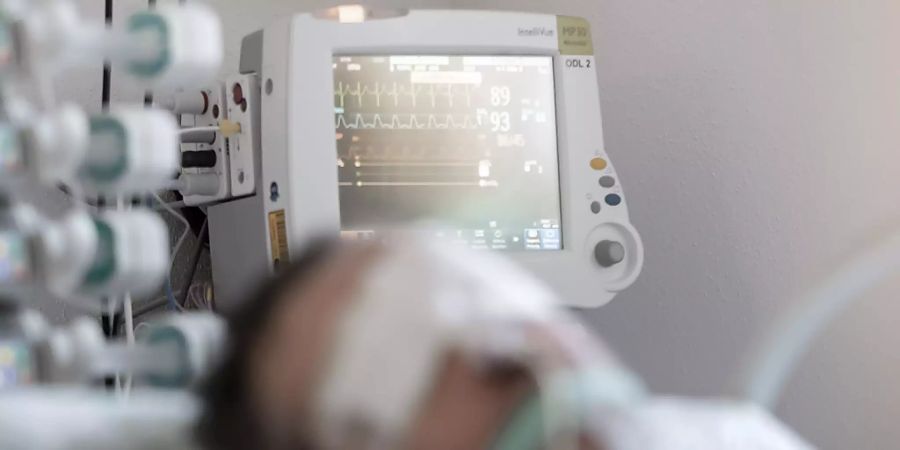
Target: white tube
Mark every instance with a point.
(81, 417)
(775, 359)
(193, 102)
(199, 184)
(95, 43)
(203, 135)
(191, 130)
(137, 360)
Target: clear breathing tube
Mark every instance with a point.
(775, 359)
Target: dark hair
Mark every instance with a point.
(229, 420)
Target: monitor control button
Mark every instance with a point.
(609, 253)
(607, 182)
(613, 199)
(599, 164)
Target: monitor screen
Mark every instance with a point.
(467, 143)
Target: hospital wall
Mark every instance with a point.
(758, 143)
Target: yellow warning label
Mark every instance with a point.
(574, 36)
(278, 239)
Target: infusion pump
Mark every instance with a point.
(485, 125)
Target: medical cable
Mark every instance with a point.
(181, 239)
(774, 361)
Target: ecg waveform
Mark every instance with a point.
(408, 122)
(380, 92)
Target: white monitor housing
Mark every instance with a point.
(486, 124)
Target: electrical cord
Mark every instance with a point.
(197, 297)
(194, 262)
(170, 296)
(105, 94)
(148, 95)
(187, 226)
(128, 313)
(106, 90)
(169, 205)
(180, 242)
(152, 305)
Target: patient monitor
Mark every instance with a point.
(480, 129)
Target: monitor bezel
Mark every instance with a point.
(298, 139)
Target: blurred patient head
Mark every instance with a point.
(420, 346)
(283, 343)
(291, 346)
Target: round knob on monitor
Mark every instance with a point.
(609, 253)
